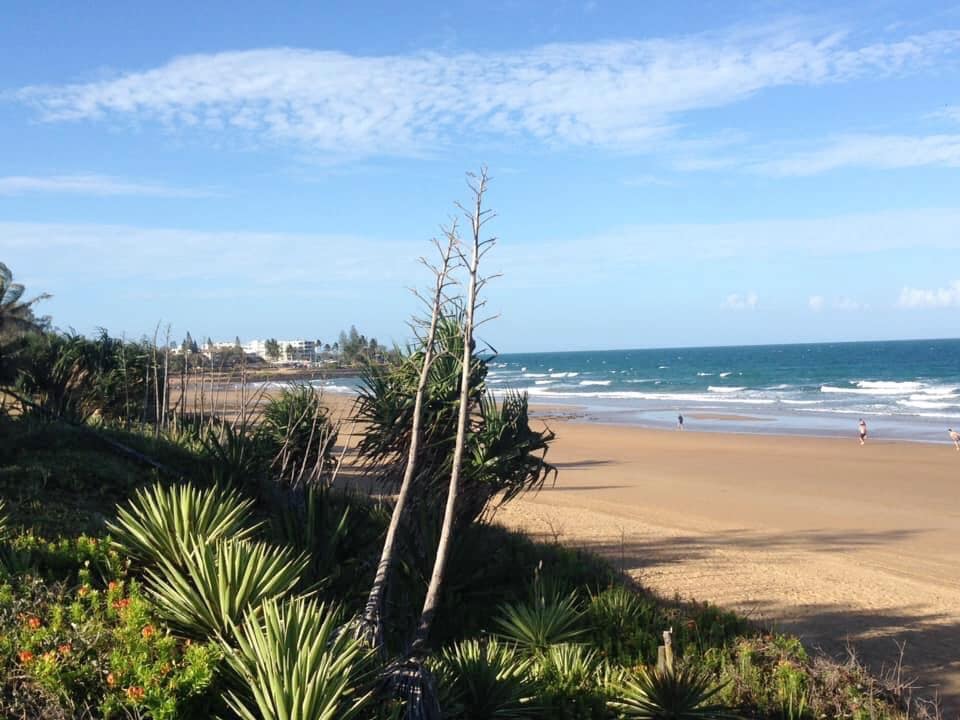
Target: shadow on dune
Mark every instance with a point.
(930, 642)
(677, 549)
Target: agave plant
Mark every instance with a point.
(546, 620)
(684, 693)
(480, 680)
(219, 582)
(161, 523)
(294, 662)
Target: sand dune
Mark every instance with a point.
(821, 537)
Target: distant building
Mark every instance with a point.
(291, 351)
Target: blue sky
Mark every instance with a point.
(664, 173)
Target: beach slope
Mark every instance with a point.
(836, 542)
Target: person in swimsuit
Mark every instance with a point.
(955, 436)
(679, 422)
(863, 431)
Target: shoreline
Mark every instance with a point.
(729, 423)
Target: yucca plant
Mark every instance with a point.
(544, 621)
(312, 522)
(294, 662)
(624, 625)
(684, 693)
(162, 522)
(480, 680)
(219, 582)
(568, 666)
(297, 430)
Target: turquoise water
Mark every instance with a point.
(903, 389)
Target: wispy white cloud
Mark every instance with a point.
(816, 302)
(915, 298)
(736, 301)
(869, 151)
(103, 185)
(627, 95)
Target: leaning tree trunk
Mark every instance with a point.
(372, 616)
(478, 248)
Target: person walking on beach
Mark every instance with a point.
(679, 422)
(955, 436)
(863, 432)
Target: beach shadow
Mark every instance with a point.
(656, 551)
(567, 488)
(581, 464)
(930, 642)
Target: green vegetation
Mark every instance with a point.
(164, 562)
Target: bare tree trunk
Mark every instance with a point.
(477, 218)
(372, 616)
(156, 384)
(166, 379)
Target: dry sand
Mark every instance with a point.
(835, 542)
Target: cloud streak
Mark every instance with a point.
(883, 152)
(97, 185)
(736, 301)
(916, 298)
(621, 95)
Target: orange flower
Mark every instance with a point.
(33, 623)
(112, 585)
(25, 656)
(111, 679)
(147, 631)
(122, 604)
(83, 591)
(65, 649)
(135, 692)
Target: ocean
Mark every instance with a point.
(906, 390)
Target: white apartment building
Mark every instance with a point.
(298, 350)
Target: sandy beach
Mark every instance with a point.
(846, 546)
(837, 543)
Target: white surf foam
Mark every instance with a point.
(719, 389)
(595, 382)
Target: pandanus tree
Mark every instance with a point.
(389, 442)
(16, 314)
(432, 426)
(16, 319)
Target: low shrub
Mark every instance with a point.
(85, 652)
